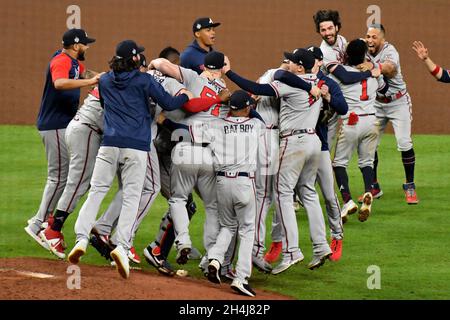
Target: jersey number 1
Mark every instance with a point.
(364, 96)
(209, 93)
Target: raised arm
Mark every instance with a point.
(435, 70)
(166, 67)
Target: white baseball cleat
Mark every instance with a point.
(36, 237)
(348, 208)
(120, 257)
(366, 207)
(286, 263)
(78, 251)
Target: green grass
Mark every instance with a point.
(408, 243)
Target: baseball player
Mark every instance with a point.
(236, 142)
(192, 164)
(193, 56)
(328, 25)
(127, 133)
(65, 76)
(394, 106)
(436, 71)
(359, 130)
(299, 113)
(325, 176)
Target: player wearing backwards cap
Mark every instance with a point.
(192, 163)
(325, 176)
(205, 36)
(440, 74)
(59, 104)
(359, 128)
(124, 93)
(299, 156)
(394, 106)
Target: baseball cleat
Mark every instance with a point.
(120, 257)
(410, 193)
(78, 251)
(286, 264)
(55, 241)
(133, 256)
(155, 260)
(365, 209)
(274, 252)
(261, 264)
(349, 207)
(242, 288)
(98, 242)
(376, 194)
(36, 237)
(183, 255)
(318, 260)
(214, 271)
(228, 275)
(336, 248)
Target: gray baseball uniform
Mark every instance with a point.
(235, 142)
(268, 108)
(333, 55)
(362, 135)
(299, 160)
(398, 111)
(192, 166)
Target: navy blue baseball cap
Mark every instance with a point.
(240, 99)
(127, 49)
(73, 36)
(203, 23)
(316, 51)
(214, 60)
(302, 57)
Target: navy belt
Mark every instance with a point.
(299, 131)
(234, 174)
(204, 145)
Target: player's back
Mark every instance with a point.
(360, 96)
(268, 107)
(298, 110)
(91, 111)
(203, 87)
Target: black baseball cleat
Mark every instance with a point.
(103, 248)
(161, 265)
(183, 256)
(214, 271)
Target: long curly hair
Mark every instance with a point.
(327, 15)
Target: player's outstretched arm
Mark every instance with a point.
(435, 70)
(350, 77)
(166, 67)
(250, 86)
(293, 81)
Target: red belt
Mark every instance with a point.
(389, 99)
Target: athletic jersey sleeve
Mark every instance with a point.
(350, 77)
(161, 97)
(292, 80)
(250, 86)
(391, 54)
(445, 76)
(60, 68)
(337, 102)
(188, 77)
(281, 89)
(172, 86)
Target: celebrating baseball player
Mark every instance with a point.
(436, 71)
(394, 106)
(65, 76)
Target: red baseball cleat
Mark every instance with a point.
(274, 252)
(410, 193)
(133, 256)
(336, 247)
(55, 241)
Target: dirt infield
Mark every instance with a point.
(46, 279)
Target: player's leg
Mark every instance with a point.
(325, 180)
(285, 181)
(346, 144)
(57, 170)
(102, 178)
(401, 118)
(366, 152)
(311, 203)
(333, 129)
(381, 122)
(83, 144)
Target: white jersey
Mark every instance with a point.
(268, 107)
(234, 141)
(91, 112)
(389, 53)
(203, 88)
(173, 87)
(333, 54)
(298, 110)
(360, 96)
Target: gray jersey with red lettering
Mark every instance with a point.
(203, 87)
(298, 110)
(389, 53)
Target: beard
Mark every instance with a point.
(331, 41)
(81, 56)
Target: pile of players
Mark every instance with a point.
(171, 126)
